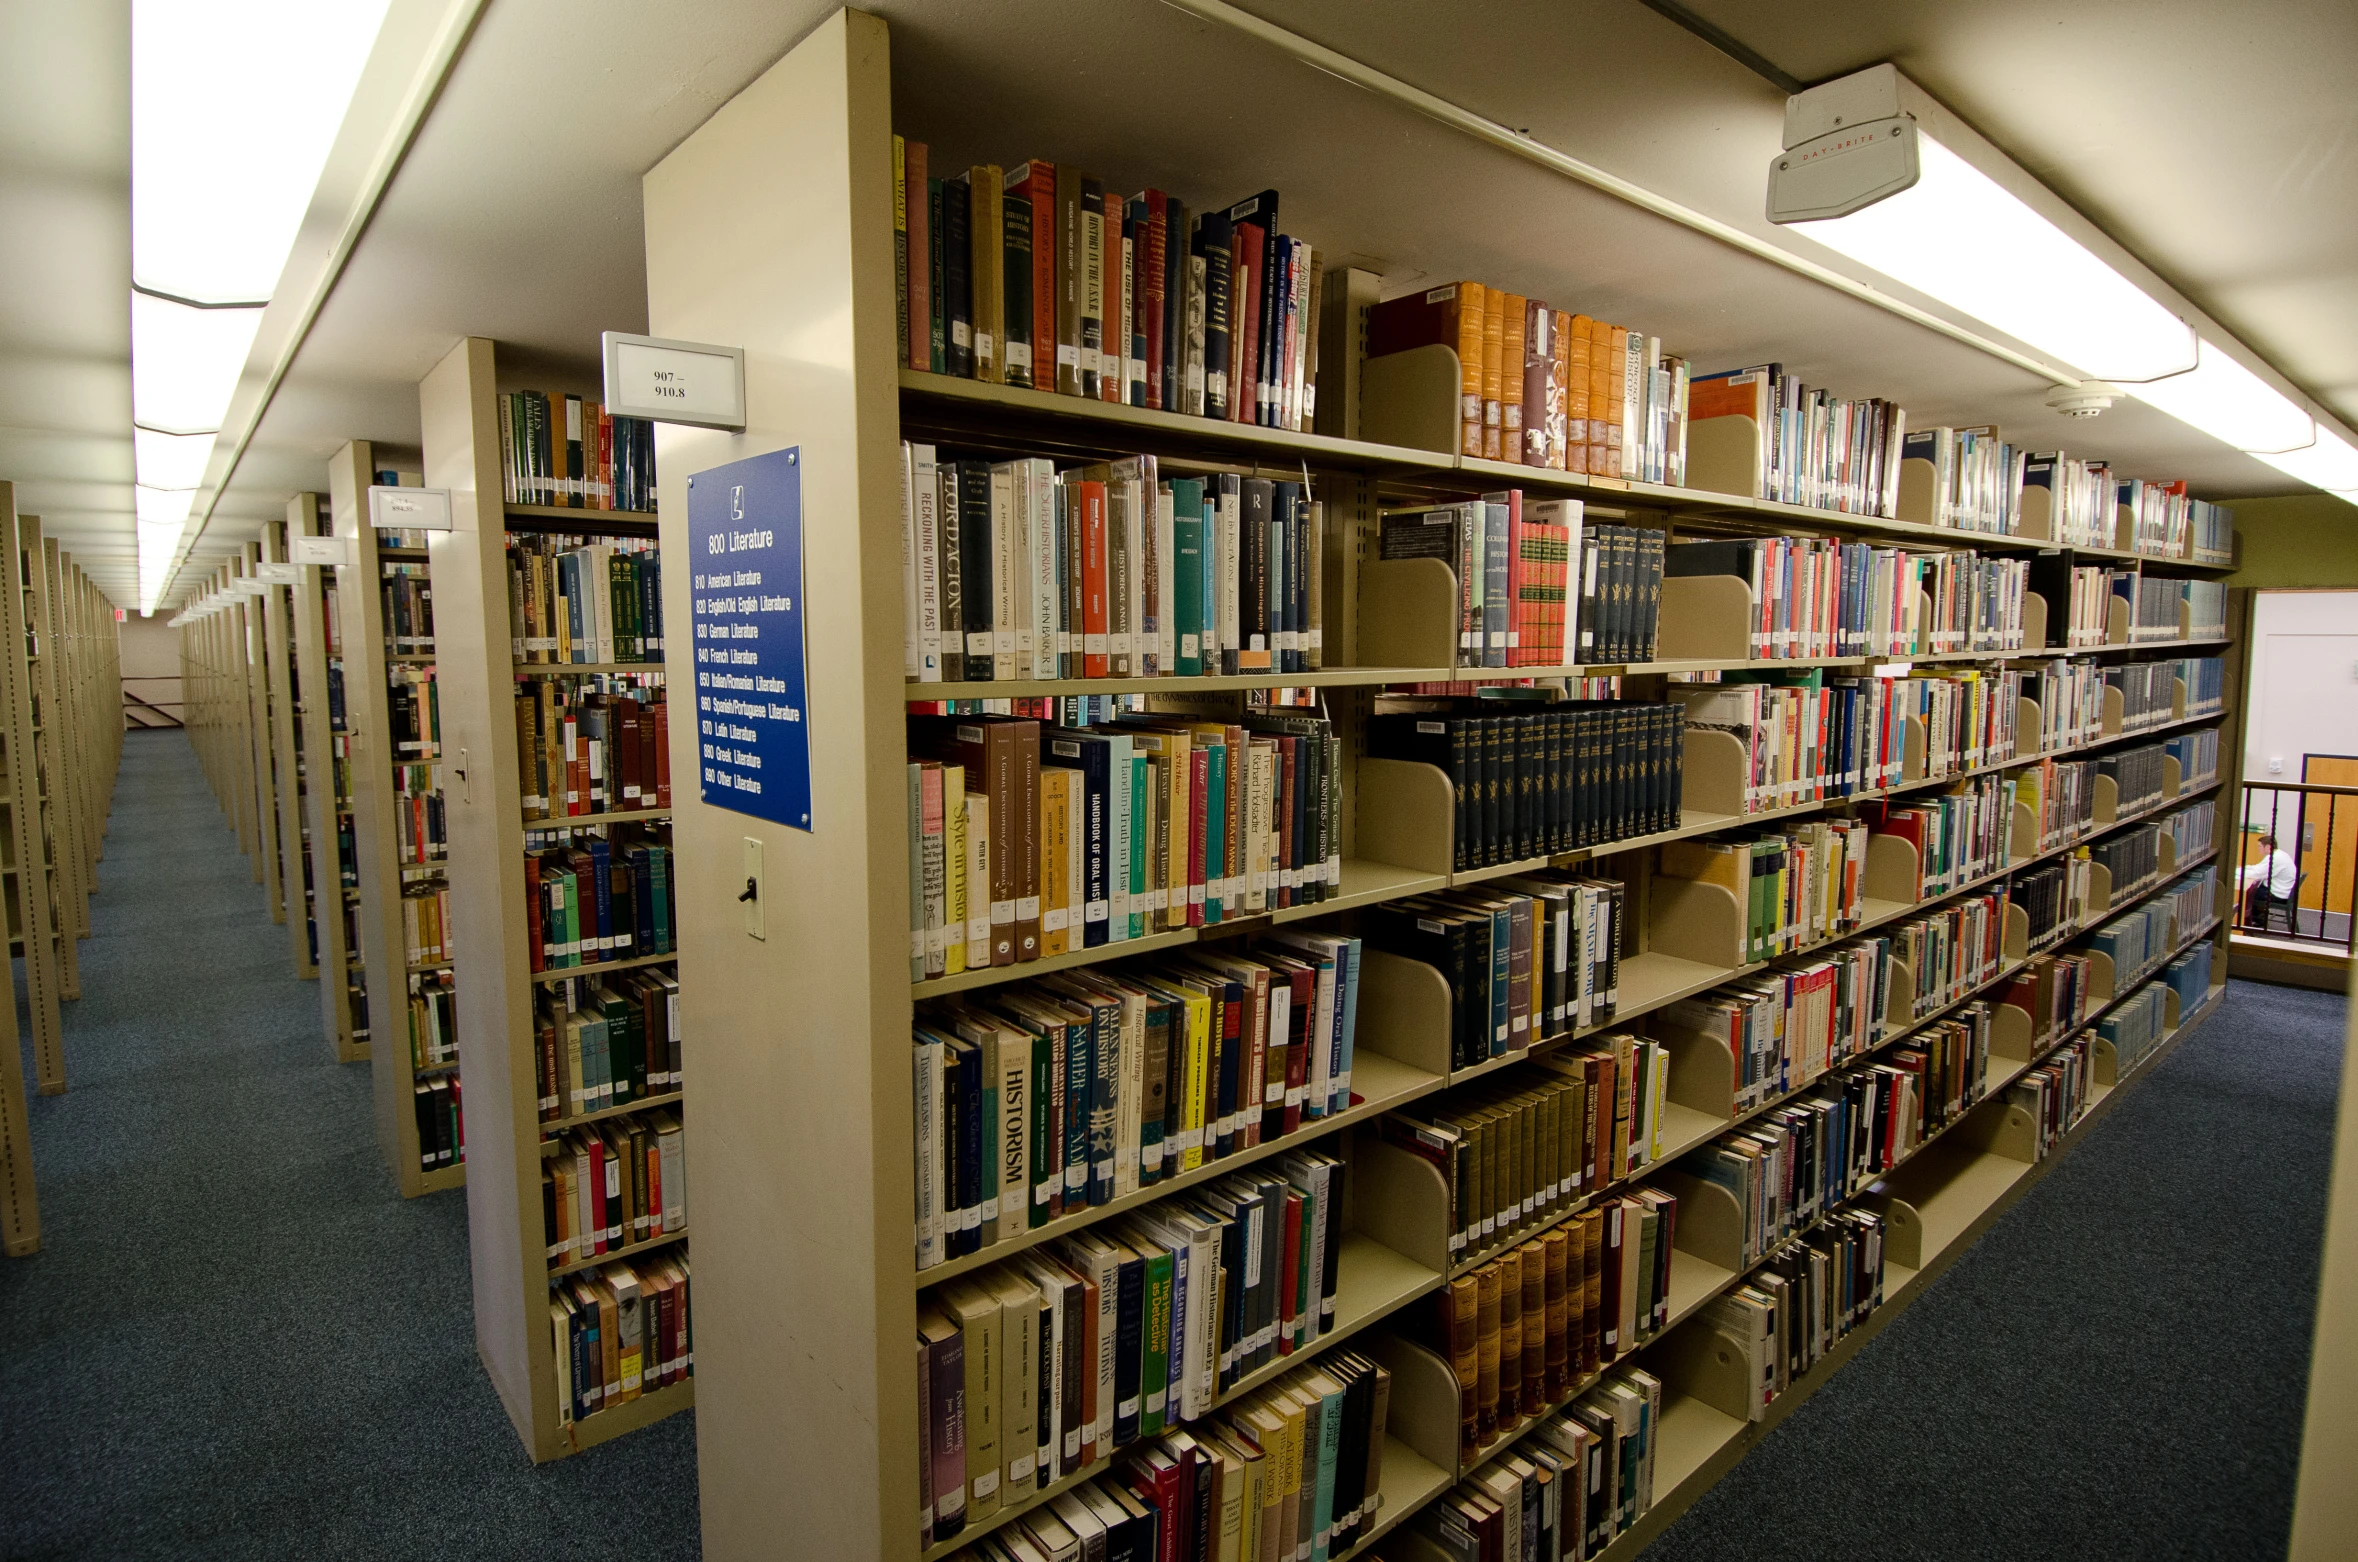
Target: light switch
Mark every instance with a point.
(2275, 767)
(755, 890)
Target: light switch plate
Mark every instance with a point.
(755, 882)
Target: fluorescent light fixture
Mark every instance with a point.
(1957, 235)
(159, 508)
(2330, 464)
(185, 362)
(2231, 404)
(170, 460)
(234, 104)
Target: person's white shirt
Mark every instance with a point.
(2278, 869)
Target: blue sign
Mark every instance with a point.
(752, 720)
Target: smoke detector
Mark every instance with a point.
(2084, 400)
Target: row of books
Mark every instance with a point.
(2206, 607)
(425, 926)
(1014, 569)
(600, 897)
(1528, 959)
(1807, 737)
(405, 592)
(1566, 1491)
(1815, 449)
(2189, 976)
(1786, 1028)
(1782, 1172)
(2136, 941)
(1517, 1150)
(2054, 990)
(2079, 605)
(591, 751)
(2205, 678)
(620, 1331)
(613, 1184)
(2135, 1025)
(613, 1044)
(2136, 775)
(2062, 796)
(1973, 477)
(1037, 275)
(1959, 835)
(598, 599)
(441, 1120)
(2162, 520)
(2132, 857)
(1949, 952)
(1086, 1086)
(1063, 1357)
(563, 450)
(1538, 386)
(2148, 692)
(2069, 692)
(2055, 898)
(1976, 482)
(1526, 1329)
(421, 829)
(2197, 755)
(1537, 584)
(1294, 1471)
(1533, 780)
(2083, 499)
(1027, 840)
(1793, 887)
(2190, 829)
(2056, 1094)
(433, 1021)
(1805, 1298)
(1818, 597)
(2193, 896)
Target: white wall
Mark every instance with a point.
(151, 661)
(2304, 697)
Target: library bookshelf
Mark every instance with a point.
(385, 775)
(20, 1211)
(330, 875)
(286, 769)
(57, 739)
(771, 228)
(39, 867)
(479, 678)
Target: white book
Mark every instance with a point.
(1047, 596)
(1115, 910)
(671, 1164)
(1021, 572)
(1227, 544)
(1003, 635)
(911, 658)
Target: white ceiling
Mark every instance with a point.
(516, 215)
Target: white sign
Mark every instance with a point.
(328, 551)
(675, 382)
(409, 509)
(249, 586)
(272, 573)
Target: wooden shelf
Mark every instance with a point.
(563, 973)
(572, 669)
(550, 1126)
(617, 1255)
(579, 821)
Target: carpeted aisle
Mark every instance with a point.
(238, 1340)
(2117, 1369)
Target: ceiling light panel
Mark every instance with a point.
(2231, 404)
(170, 460)
(234, 105)
(185, 362)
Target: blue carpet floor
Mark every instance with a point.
(238, 1340)
(2117, 1369)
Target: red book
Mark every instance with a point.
(1148, 263)
(918, 350)
(1155, 1478)
(533, 899)
(1121, 310)
(596, 1235)
(661, 712)
(1297, 1052)
(1035, 182)
(1198, 784)
(1245, 386)
(1094, 587)
(1089, 1305)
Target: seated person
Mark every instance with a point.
(2267, 883)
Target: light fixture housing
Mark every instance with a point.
(1876, 169)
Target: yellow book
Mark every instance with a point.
(1199, 1055)
(1055, 804)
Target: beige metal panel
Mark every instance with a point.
(277, 649)
(20, 1215)
(770, 229)
(319, 790)
(492, 962)
(67, 691)
(35, 915)
(53, 744)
